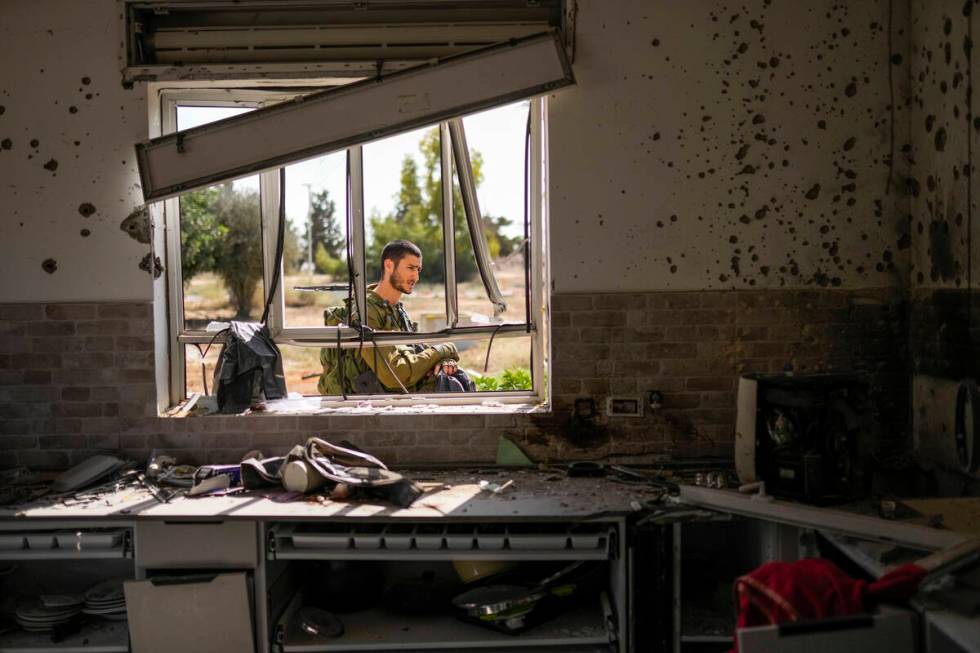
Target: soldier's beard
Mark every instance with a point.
(399, 283)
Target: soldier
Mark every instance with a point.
(380, 370)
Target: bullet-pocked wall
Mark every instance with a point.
(945, 135)
(728, 187)
(67, 129)
(732, 145)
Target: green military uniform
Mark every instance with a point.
(361, 370)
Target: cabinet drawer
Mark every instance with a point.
(197, 545)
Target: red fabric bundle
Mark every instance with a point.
(778, 592)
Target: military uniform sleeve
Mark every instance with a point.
(409, 366)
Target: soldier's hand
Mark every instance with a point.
(447, 351)
(450, 367)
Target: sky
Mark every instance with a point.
(498, 134)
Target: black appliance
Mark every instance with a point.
(806, 436)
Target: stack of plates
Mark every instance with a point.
(106, 600)
(45, 612)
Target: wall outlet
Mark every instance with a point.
(624, 407)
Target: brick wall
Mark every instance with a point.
(77, 378)
(945, 332)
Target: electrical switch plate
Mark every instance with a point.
(624, 407)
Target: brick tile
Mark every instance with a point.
(174, 441)
(569, 386)
(90, 360)
(600, 319)
(657, 318)
(638, 367)
(594, 387)
(133, 441)
(622, 385)
(134, 343)
(24, 410)
(562, 319)
(41, 460)
(29, 394)
(15, 441)
(131, 310)
(600, 335)
(670, 350)
(711, 383)
(15, 344)
(69, 311)
(105, 441)
(682, 300)
(643, 334)
(76, 410)
(571, 302)
(103, 328)
(104, 393)
(21, 312)
(135, 360)
(99, 343)
(136, 376)
(681, 400)
(36, 377)
(73, 441)
(40, 329)
(618, 301)
(562, 336)
(717, 300)
(505, 420)
(15, 426)
(57, 344)
(35, 361)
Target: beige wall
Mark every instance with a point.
(665, 94)
(628, 146)
(47, 49)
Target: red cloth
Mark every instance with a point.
(778, 592)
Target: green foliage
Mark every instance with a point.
(239, 252)
(484, 383)
(327, 264)
(219, 232)
(200, 233)
(418, 218)
(515, 378)
(512, 378)
(325, 229)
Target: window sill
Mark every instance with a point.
(517, 403)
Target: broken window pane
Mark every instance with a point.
(403, 200)
(315, 253)
(496, 141)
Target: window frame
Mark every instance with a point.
(170, 96)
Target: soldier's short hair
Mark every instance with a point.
(396, 250)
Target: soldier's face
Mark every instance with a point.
(405, 274)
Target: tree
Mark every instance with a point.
(200, 233)
(240, 249)
(418, 218)
(325, 230)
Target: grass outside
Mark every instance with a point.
(205, 299)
